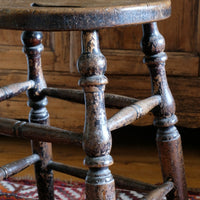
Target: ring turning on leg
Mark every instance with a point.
(97, 140)
(168, 138)
(32, 41)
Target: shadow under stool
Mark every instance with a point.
(88, 16)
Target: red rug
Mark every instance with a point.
(24, 190)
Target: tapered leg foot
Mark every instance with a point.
(32, 41)
(97, 139)
(168, 138)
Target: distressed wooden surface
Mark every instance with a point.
(17, 166)
(125, 69)
(160, 192)
(80, 15)
(15, 89)
(132, 112)
(32, 47)
(97, 140)
(130, 155)
(38, 132)
(168, 138)
(133, 86)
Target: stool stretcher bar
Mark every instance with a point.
(160, 192)
(111, 100)
(38, 132)
(121, 182)
(130, 113)
(12, 90)
(17, 166)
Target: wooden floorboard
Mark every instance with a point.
(134, 152)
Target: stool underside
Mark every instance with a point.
(50, 15)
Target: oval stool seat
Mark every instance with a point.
(50, 15)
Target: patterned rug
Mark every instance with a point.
(25, 189)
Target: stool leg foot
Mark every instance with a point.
(32, 41)
(97, 139)
(168, 138)
(171, 157)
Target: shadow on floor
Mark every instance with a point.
(133, 135)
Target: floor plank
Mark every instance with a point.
(134, 152)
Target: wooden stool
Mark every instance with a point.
(89, 16)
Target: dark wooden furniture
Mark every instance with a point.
(90, 16)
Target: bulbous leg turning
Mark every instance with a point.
(168, 138)
(32, 41)
(97, 139)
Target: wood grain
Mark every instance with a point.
(130, 62)
(198, 30)
(80, 15)
(133, 86)
(124, 62)
(129, 157)
(124, 57)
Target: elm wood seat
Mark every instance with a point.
(60, 15)
(90, 16)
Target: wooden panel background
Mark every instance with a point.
(127, 75)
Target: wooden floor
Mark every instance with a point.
(134, 153)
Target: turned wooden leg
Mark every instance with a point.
(97, 139)
(32, 41)
(168, 138)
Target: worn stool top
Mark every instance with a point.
(51, 15)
